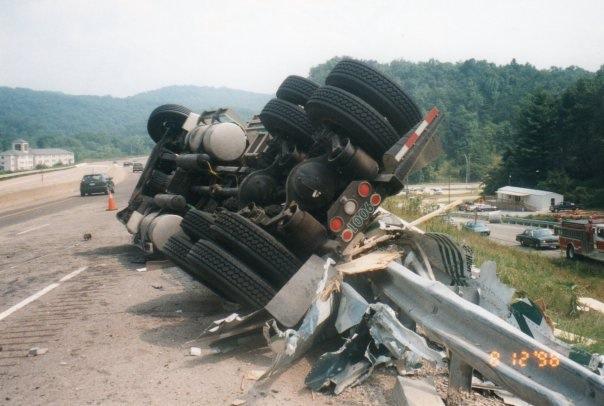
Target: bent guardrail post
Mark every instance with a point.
(460, 375)
(500, 352)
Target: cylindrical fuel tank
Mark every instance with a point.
(224, 142)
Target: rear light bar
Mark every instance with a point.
(353, 210)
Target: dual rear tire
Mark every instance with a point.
(232, 256)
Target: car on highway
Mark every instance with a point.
(564, 206)
(137, 167)
(538, 238)
(437, 191)
(477, 227)
(96, 183)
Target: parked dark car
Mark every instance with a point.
(564, 206)
(538, 238)
(137, 167)
(477, 227)
(98, 183)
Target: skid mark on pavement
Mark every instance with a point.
(72, 299)
(39, 294)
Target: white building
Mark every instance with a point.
(22, 158)
(519, 198)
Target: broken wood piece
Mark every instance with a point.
(435, 213)
(374, 261)
(568, 336)
(370, 243)
(416, 392)
(592, 304)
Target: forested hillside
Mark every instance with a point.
(558, 143)
(480, 100)
(104, 126)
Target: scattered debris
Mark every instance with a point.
(158, 287)
(238, 402)
(195, 351)
(510, 399)
(87, 236)
(292, 301)
(592, 304)
(141, 269)
(254, 374)
(35, 351)
(388, 331)
(568, 336)
(416, 392)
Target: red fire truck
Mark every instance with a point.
(582, 238)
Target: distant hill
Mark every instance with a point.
(105, 126)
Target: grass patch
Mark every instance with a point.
(556, 281)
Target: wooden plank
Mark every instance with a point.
(371, 262)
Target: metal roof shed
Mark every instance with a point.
(519, 198)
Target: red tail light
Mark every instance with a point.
(364, 189)
(375, 199)
(347, 235)
(336, 224)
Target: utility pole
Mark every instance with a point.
(467, 167)
(449, 188)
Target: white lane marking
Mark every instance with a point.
(33, 229)
(40, 293)
(71, 275)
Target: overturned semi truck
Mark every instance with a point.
(282, 216)
(304, 177)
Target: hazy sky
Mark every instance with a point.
(128, 46)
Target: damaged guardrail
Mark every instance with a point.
(500, 352)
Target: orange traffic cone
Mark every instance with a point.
(111, 205)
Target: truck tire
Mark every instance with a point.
(342, 111)
(288, 120)
(166, 119)
(229, 272)
(296, 89)
(158, 182)
(273, 260)
(378, 90)
(570, 253)
(196, 224)
(177, 249)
